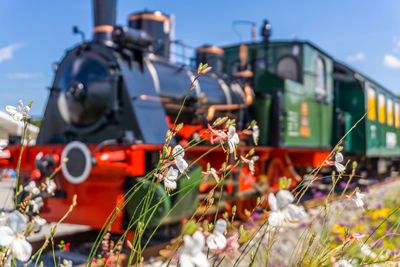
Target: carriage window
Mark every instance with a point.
(287, 68)
(397, 115)
(320, 76)
(371, 104)
(381, 108)
(389, 112)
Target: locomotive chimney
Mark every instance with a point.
(157, 25)
(212, 55)
(104, 18)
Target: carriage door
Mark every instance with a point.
(372, 125)
(321, 93)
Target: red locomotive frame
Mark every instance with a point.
(115, 163)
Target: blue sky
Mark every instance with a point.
(35, 34)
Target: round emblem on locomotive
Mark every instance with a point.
(77, 169)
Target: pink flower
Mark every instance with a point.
(355, 236)
(337, 162)
(216, 241)
(232, 247)
(217, 136)
(251, 163)
(233, 139)
(212, 173)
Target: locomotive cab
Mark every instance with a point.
(292, 80)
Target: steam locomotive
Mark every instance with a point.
(114, 97)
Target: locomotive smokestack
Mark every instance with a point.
(104, 17)
(157, 25)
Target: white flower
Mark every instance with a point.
(178, 153)
(170, 179)
(344, 263)
(50, 186)
(32, 188)
(233, 139)
(282, 210)
(284, 198)
(20, 112)
(255, 134)
(338, 162)
(251, 163)
(192, 252)
(36, 204)
(359, 199)
(276, 216)
(66, 263)
(38, 221)
(20, 248)
(367, 251)
(295, 213)
(214, 174)
(217, 240)
(17, 221)
(3, 218)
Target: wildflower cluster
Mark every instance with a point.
(21, 221)
(20, 112)
(17, 225)
(282, 209)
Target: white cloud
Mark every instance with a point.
(23, 76)
(391, 61)
(396, 46)
(7, 52)
(360, 56)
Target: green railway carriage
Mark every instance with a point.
(305, 98)
(293, 84)
(375, 137)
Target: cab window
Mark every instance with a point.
(371, 104)
(389, 112)
(287, 68)
(320, 76)
(381, 108)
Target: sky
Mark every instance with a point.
(35, 34)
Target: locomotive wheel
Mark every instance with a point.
(245, 204)
(275, 170)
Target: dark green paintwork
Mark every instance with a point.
(370, 136)
(377, 145)
(263, 105)
(295, 93)
(346, 93)
(349, 97)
